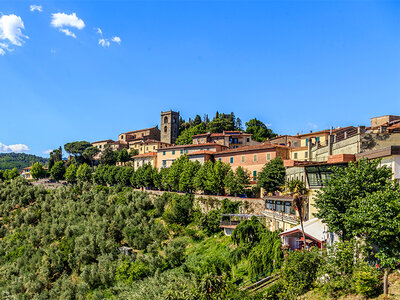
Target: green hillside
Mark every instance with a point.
(19, 160)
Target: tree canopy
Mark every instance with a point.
(272, 176)
(259, 130)
(338, 194)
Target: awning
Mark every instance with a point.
(313, 228)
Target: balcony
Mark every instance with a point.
(281, 216)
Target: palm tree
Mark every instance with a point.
(298, 190)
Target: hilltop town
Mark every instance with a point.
(259, 208)
(308, 157)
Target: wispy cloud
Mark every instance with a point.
(11, 32)
(116, 39)
(47, 151)
(36, 7)
(104, 42)
(13, 148)
(68, 32)
(62, 20)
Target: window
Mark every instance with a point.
(137, 164)
(295, 155)
(173, 152)
(248, 140)
(173, 120)
(164, 163)
(306, 154)
(182, 151)
(268, 156)
(243, 158)
(254, 175)
(270, 205)
(219, 159)
(289, 208)
(186, 151)
(100, 146)
(295, 144)
(165, 128)
(154, 147)
(306, 142)
(255, 158)
(165, 119)
(317, 139)
(231, 160)
(147, 148)
(163, 153)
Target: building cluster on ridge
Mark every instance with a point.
(307, 157)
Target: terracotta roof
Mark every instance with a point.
(193, 146)
(142, 141)
(225, 133)
(129, 132)
(151, 153)
(103, 141)
(250, 148)
(119, 142)
(201, 152)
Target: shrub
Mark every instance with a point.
(367, 280)
(210, 222)
(298, 273)
(179, 209)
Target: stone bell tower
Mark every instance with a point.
(169, 126)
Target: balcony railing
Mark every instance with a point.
(229, 223)
(289, 218)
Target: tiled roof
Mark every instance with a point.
(119, 142)
(201, 152)
(225, 133)
(151, 153)
(130, 132)
(103, 141)
(193, 146)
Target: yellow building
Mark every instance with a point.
(231, 139)
(166, 156)
(143, 159)
(145, 146)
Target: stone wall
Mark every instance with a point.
(207, 202)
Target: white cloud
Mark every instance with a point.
(47, 151)
(116, 39)
(104, 42)
(36, 7)
(10, 32)
(68, 32)
(98, 30)
(13, 148)
(62, 19)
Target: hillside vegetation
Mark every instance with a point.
(64, 244)
(19, 160)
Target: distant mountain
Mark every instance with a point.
(19, 160)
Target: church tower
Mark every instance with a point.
(169, 126)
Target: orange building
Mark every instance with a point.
(252, 158)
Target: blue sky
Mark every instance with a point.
(296, 65)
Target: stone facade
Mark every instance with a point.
(231, 139)
(169, 126)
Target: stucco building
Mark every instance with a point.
(253, 158)
(231, 139)
(166, 156)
